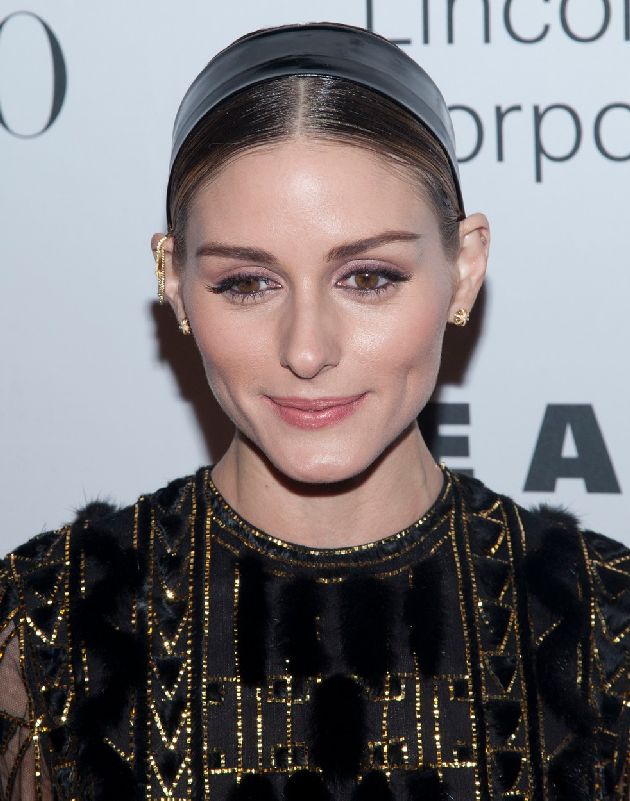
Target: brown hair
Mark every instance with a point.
(321, 107)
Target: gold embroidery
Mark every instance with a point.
(418, 709)
(433, 728)
(467, 635)
(239, 701)
(206, 629)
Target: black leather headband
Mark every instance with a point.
(320, 48)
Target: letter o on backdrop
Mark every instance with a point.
(59, 75)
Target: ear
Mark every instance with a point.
(172, 284)
(471, 263)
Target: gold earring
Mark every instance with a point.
(461, 317)
(159, 268)
(184, 326)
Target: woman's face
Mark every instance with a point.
(315, 277)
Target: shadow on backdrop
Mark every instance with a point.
(459, 345)
(182, 356)
(180, 353)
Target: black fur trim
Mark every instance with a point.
(556, 515)
(168, 668)
(614, 582)
(169, 763)
(617, 614)
(496, 619)
(168, 495)
(44, 617)
(373, 787)
(252, 620)
(95, 511)
(37, 546)
(367, 619)
(252, 787)
(552, 573)
(171, 714)
(606, 549)
(338, 726)
(484, 534)
(170, 565)
(109, 775)
(121, 573)
(611, 655)
(555, 574)
(59, 740)
(492, 575)
(172, 527)
(64, 779)
(504, 717)
(118, 650)
(43, 580)
(168, 612)
(426, 785)
(556, 667)
(305, 785)
(55, 699)
(504, 667)
(477, 495)
(571, 771)
(114, 574)
(423, 611)
(611, 707)
(507, 767)
(619, 767)
(300, 604)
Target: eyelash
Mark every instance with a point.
(226, 286)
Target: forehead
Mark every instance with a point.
(302, 185)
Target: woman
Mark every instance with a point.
(325, 613)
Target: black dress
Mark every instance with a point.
(171, 650)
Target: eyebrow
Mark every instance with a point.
(345, 251)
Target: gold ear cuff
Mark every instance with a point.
(159, 268)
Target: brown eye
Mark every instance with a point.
(247, 286)
(369, 284)
(367, 280)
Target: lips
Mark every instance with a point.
(315, 404)
(314, 412)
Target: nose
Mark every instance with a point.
(310, 336)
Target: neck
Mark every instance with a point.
(393, 493)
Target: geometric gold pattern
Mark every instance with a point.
(138, 613)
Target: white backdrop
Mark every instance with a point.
(101, 397)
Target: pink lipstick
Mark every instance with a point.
(314, 412)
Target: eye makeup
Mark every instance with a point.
(367, 275)
(247, 287)
(247, 282)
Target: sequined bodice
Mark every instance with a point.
(171, 650)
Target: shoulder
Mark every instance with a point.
(104, 517)
(572, 590)
(571, 575)
(568, 572)
(553, 528)
(100, 532)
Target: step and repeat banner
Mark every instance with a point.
(101, 397)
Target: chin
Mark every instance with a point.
(319, 467)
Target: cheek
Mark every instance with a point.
(409, 340)
(232, 353)
(236, 356)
